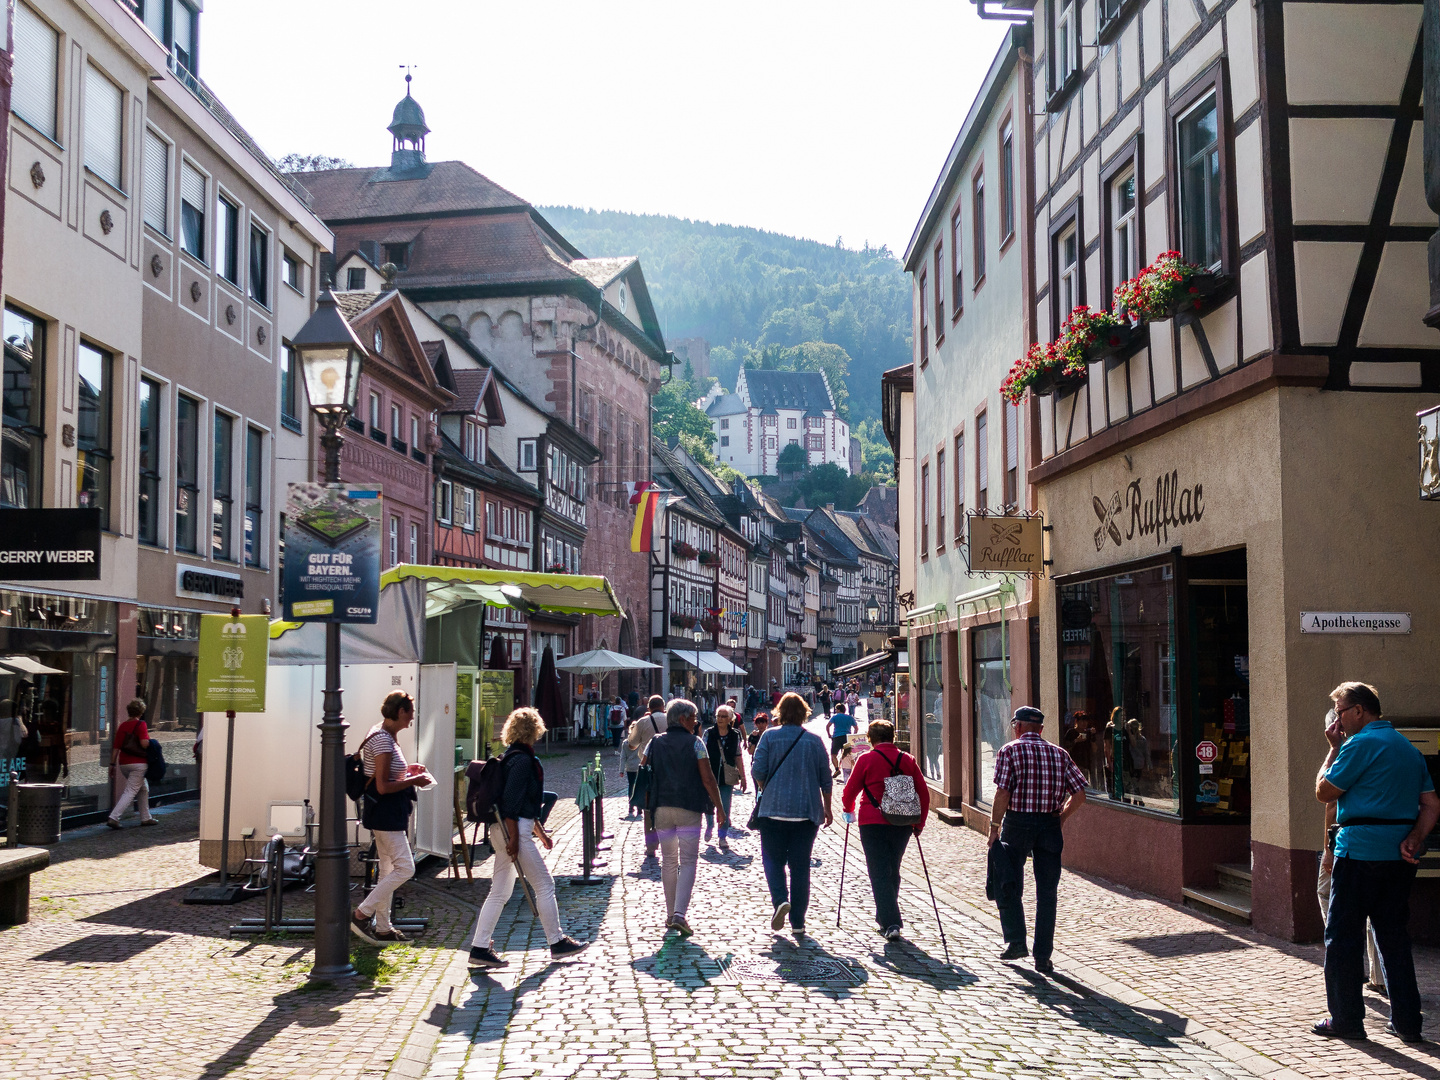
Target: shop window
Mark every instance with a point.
(92, 431)
(187, 473)
(223, 478)
(22, 449)
(254, 488)
(150, 424)
(1119, 719)
(932, 706)
(990, 694)
(36, 71)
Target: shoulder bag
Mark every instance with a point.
(755, 812)
(900, 802)
(729, 774)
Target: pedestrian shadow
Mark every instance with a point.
(499, 1001)
(306, 1006)
(726, 858)
(679, 960)
(1105, 1015)
(1192, 943)
(808, 963)
(103, 948)
(909, 961)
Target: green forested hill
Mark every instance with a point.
(751, 293)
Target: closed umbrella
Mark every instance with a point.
(547, 691)
(499, 659)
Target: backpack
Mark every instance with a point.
(486, 781)
(155, 762)
(355, 778)
(900, 803)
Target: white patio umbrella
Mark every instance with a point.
(601, 662)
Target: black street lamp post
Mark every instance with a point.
(330, 356)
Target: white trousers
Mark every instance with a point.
(397, 866)
(502, 885)
(135, 787)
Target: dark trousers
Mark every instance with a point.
(1379, 891)
(630, 788)
(788, 844)
(616, 733)
(548, 799)
(884, 848)
(1036, 835)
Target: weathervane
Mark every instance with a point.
(408, 68)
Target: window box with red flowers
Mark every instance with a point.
(683, 621)
(684, 550)
(795, 635)
(708, 558)
(1045, 369)
(710, 626)
(1167, 288)
(556, 568)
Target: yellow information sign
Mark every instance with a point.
(234, 655)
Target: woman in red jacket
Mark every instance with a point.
(884, 843)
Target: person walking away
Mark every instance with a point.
(761, 724)
(128, 765)
(841, 724)
(629, 769)
(617, 722)
(792, 783)
(883, 842)
(1037, 787)
(389, 798)
(641, 732)
(727, 765)
(824, 697)
(513, 839)
(1386, 807)
(681, 787)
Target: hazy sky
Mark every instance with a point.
(816, 119)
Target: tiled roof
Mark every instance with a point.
(493, 472)
(450, 187)
(602, 272)
(468, 384)
(699, 502)
(726, 405)
(788, 390)
(354, 304)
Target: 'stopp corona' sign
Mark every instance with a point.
(1007, 545)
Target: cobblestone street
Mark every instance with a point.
(114, 977)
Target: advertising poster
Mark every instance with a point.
(234, 653)
(497, 699)
(464, 704)
(332, 553)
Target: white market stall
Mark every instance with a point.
(276, 764)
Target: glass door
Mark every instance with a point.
(990, 692)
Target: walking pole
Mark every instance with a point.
(933, 904)
(840, 898)
(524, 882)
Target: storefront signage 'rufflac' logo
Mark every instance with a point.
(1139, 512)
(1006, 545)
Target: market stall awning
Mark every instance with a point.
(708, 661)
(27, 665)
(866, 663)
(600, 662)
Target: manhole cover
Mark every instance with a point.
(798, 970)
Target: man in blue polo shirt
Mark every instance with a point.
(841, 724)
(1386, 808)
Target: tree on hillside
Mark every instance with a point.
(293, 163)
(675, 414)
(875, 450)
(829, 483)
(791, 459)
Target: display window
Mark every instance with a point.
(932, 706)
(990, 695)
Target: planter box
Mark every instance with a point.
(1056, 382)
(1113, 346)
(1206, 287)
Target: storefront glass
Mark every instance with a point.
(990, 686)
(1118, 685)
(932, 706)
(1220, 703)
(168, 647)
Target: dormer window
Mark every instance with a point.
(399, 254)
(355, 279)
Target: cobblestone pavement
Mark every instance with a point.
(114, 977)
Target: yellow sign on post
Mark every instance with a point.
(1007, 545)
(497, 698)
(234, 654)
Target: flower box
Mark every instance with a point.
(1059, 381)
(684, 622)
(1112, 344)
(1168, 287)
(684, 550)
(708, 558)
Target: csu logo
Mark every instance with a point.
(357, 611)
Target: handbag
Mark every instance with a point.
(755, 810)
(729, 774)
(900, 802)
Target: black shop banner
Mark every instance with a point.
(50, 545)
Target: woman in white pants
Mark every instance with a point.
(512, 838)
(129, 763)
(389, 798)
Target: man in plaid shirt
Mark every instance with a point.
(1037, 787)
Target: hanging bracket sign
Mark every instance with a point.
(1013, 544)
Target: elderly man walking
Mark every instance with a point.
(1386, 808)
(1037, 787)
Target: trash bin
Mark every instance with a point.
(37, 810)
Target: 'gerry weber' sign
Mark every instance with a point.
(1355, 622)
(1148, 512)
(1006, 545)
(50, 545)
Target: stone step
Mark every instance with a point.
(1234, 876)
(1221, 902)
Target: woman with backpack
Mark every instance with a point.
(518, 808)
(875, 778)
(129, 761)
(792, 780)
(388, 799)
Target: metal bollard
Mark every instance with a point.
(12, 813)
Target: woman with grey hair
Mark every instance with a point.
(512, 838)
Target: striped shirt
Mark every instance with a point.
(1038, 775)
(379, 741)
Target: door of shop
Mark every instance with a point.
(1217, 615)
(990, 680)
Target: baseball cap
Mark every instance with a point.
(1027, 714)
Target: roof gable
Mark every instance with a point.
(806, 391)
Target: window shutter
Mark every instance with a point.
(192, 186)
(155, 183)
(37, 53)
(103, 104)
(982, 452)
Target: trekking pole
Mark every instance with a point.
(524, 881)
(933, 904)
(840, 897)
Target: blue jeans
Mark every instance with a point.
(788, 844)
(1038, 835)
(726, 793)
(1379, 891)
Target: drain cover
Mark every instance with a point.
(799, 970)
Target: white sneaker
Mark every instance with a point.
(777, 921)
